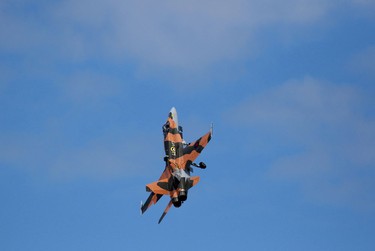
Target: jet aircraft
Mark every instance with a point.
(179, 158)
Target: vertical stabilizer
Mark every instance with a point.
(165, 211)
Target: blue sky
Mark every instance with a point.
(85, 87)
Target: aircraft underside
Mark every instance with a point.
(179, 158)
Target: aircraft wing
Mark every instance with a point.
(192, 151)
(156, 191)
(151, 200)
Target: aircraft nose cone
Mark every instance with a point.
(173, 111)
(173, 114)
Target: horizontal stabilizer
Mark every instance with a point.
(152, 199)
(195, 180)
(158, 187)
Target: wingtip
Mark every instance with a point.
(140, 209)
(165, 211)
(161, 218)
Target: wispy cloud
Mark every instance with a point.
(79, 129)
(52, 156)
(168, 37)
(363, 62)
(181, 34)
(90, 87)
(364, 3)
(331, 134)
(178, 35)
(180, 40)
(103, 159)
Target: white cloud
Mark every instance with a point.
(90, 86)
(364, 3)
(328, 127)
(52, 156)
(300, 106)
(101, 160)
(167, 38)
(6, 73)
(363, 62)
(181, 34)
(187, 35)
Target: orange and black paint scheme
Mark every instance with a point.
(179, 158)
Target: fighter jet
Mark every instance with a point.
(179, 158)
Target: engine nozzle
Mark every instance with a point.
(176, 201)
(183, 195)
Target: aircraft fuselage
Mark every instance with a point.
(175, 181)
